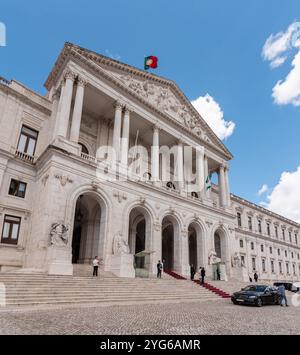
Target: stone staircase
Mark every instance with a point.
(29, 290)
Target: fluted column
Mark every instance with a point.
(206, 173)
(222, 186)
(55, 108)
(77, 112)
(200, 171)
(65, 104)
(180, 175)
(227, 186)
(155, 155)
(125, 137)
(117, 129)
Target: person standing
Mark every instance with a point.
(159, 269)
(218, 274)
(282, 295)
(255, 277)
(95, 266)
(202, 276)
(193, 272)
(250, 278)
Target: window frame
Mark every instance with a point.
(18, 186)
(28, 136)
(10, 240)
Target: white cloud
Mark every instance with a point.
(278, 44)
(211, 112)
(287, 91)
(285, 197)
(263, 189)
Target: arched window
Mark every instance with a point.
(84, 149)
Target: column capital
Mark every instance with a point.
(128, 110)
(55, 96)
(156, 128)
(69, 74)
(81, 81)
(118, 105)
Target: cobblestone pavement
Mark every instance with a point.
(215, 317)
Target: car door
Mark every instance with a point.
(268, 296)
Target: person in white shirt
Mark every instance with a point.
(95, 266)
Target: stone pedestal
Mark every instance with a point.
(122, 265)
(223, 275)
(239, 274)
(66, 145)
(59, 260)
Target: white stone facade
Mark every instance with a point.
(76, 206)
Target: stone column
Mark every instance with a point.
(77, 112)
(185, 265)
(65, 105)
(227, 186)
(125, 137)
(200, 172)
(206, 173)
(222, 186)
(155, 155)
(180, 175)
(58, 111)
(117, 129)
(55, 104)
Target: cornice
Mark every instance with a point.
(89, 58)
(264, 210)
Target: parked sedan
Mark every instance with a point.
(257, 295)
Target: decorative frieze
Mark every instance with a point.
(63, 179)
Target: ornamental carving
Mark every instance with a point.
(164, 100)
(59, 234)
(120, 196)
(120, 245)
(63, 179)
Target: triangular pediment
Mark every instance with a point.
(161, 94)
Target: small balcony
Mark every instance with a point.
(25, 157)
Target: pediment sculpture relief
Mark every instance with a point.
(120, 245)
(59, 234)
(163, 99)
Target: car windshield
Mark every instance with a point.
(255, 288)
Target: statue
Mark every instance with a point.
(59, 234)
(120, 245)
(236, 260)
(212, 258)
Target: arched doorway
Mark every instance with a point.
(140, 236)
(88, 229)
(170, 244)
(193, 250)
(220, 245)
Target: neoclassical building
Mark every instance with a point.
(66, 197)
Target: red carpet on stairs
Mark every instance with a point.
(209, 287)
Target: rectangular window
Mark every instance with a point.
(280, 267)
(250, 223)
(263, 264)
(276, 232)
(241, 243)
(283, 234)
(253, 264)
(287, 268)
(10, 231)
(242, 260)
(296, 239)
(272, 266)
(17, 188)
(259, 226)
(294, 269)
(278, 252)
(290, 236)
(239, 219)
(268, 229)
(285, 253)
(27, 141)
(252, 246)
(292, 255)
(262, 248)
(271, 250)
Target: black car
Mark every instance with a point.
(256, 295)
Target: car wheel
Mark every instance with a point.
(234, 301)
(259, 302)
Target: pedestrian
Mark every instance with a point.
(218, 274)
(282, 296)
(255, 277)
(159, 269)
(193, 272)
(202, 275)
(250, 278)
(95, 266)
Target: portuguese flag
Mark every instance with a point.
(150, 62)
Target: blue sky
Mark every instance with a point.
(209, 47)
